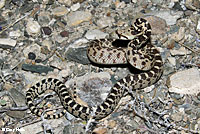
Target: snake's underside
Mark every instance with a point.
(133, 47)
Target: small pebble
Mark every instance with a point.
(60, 11)
(75, 7)
(46, 30)
(95, 34)
(38, 60)
(2, 3)
(77, 17)
(33, 27)
(64, 34)
(31, 56)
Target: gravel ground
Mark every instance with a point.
(47, 38)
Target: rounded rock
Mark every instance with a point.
(47, 30)
(31, 56)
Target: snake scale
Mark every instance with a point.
(135, 49)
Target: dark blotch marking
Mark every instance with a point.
(104, 106)
(95, 53)
(54, 116)
(58, 115)
(30, 105)
(59, 83)
(158, 64)
(109, 56)
(128, 79)
(140, 81)
(134, 59)
(84, 109)
(72, 104)
(98, 109)
(114, 91)
(43, 81)
(117, 85)
(64, 94)
(38, 84)
(63, 87)
(114, 61)
(28, 99)
(112, 97)
(148, 79)
(67, 99)
(155, 70)
(143, 63)
(101, 55)
(136, 78)
(49, 79)
(33, 87)
(108, 101)
(48, 116)
(143, 76)
(55, 80)
(150, 74)
(118, 55)
(77, 107)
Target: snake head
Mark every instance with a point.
(127, 34)
(139, 28)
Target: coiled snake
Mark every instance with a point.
(137, 50)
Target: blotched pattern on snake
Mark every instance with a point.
(133, 47)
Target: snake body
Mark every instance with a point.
(135, 49)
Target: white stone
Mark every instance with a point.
(75, 18)
(15, 33)
(172, 60)
(2, 3)
(105, 4)
(180, 51)
(37, 127)
(105, 22)
(60, 11)
(79, 42)
(95, 34)
(198, 26)
(169, 16)
(178, 36)
(171, 4)
(82, 79)
(65, 2)
(7, 41)
(134, 1)
(75, 7)
(47, 43)
(64, 73)
(185, 82)
(33, 27)
(192, 4)
(120, 4)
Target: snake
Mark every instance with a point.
(132, 46)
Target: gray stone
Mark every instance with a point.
(169, 16)
(177, 116)
(185, 82)
(2, 3)
(37, 68)
(78, 55)
(60, 11)
(95, 34)
(158, 24)
(7, 42)
(198, 26)
(75, 7)
(33, 27)
(75, 18)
